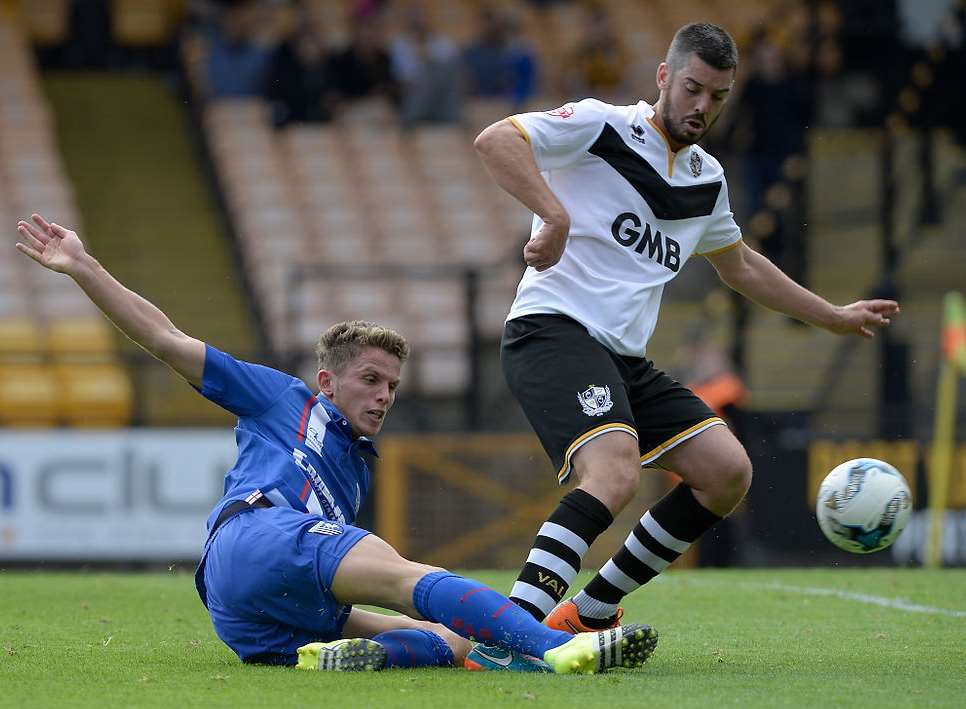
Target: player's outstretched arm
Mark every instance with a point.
(509, 160)
(60, 250)
(758, 279)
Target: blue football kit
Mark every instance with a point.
(265, 576)
(285, 522)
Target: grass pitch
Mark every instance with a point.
(783, 638)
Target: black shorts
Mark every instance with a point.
(573, 389)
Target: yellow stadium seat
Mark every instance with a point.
(82, 338)
(21, 340)
(28, 395)
(46, 20)
(141, 23)
(94, 395)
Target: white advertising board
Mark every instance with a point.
(120, 495)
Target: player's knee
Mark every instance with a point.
(735, 476)
(415, 570)
(742, 473)
(625, 480)
(612, 474)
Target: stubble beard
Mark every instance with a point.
(677, 135)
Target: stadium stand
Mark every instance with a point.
(311, 202)
(58, 360)
(355, 194)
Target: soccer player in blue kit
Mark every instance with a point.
(283, 563)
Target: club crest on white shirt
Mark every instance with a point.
(696, 163)
(595, 400)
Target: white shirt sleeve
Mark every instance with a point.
(723, 231)
(561, 137)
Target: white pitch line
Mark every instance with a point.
(897, 603)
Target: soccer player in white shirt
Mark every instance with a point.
(622, 196)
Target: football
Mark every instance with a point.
(863, 505)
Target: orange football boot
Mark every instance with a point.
(566, 618)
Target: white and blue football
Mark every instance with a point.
(863, 505)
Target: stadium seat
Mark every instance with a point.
(28, 395)
(21, 340)
(496, 293)
(441, 372)
(88, 339)
(46, 20)
(436, 312)
(142, 23)
(481, 112)
(94, 395)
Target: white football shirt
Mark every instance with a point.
(638, 211)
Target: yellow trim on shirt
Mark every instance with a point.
(564, 472)
(671, 155)
(722, 249)
(671, 442)
(519, 127)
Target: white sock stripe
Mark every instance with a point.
(658, 532)
(645, 555)
(564, 536)
(617, 635)
(552, 563)
(527, 592)
(618, 578)
(590, 607)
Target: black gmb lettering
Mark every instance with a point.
(627, 231)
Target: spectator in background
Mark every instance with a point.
(601, 59)
(362, 69)
(90, 43)
(300, 86)
(239, 56)
(426, 65)
(776, 109)
(499, 62)
(770, 132)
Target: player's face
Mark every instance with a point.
(365, 390)
(692, 98)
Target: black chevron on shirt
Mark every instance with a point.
(666, 201)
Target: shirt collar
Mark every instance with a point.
(342, 423)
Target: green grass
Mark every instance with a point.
(732, 638)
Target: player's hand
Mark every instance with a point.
(50, 245)
(863, 317)
(547, 245)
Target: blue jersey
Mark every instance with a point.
(294, 447)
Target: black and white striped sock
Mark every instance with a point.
(663, 534)
(560, 545)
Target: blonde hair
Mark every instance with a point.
(342, 342)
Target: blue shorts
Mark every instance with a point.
(267, 576)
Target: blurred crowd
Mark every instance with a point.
(284, 52)
(804, 63)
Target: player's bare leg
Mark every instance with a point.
(716, 474)
(609, 468)
(715, 466)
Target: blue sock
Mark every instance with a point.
(415, 648)
(479, 613)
